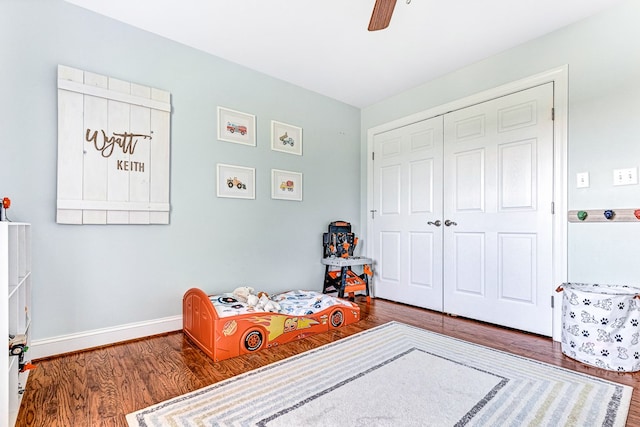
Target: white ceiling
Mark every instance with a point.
(324, 46)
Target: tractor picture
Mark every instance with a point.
(232, 127)
(235, 182)
(286, 185)
(286, 139)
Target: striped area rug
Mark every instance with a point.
(399, 375)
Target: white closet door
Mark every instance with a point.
(407, 196)
(498, 192)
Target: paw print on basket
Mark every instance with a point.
(621, 305)
(619, 338)
(604, 352)
(585, 333)
(634, 322)
(604, 321)
(636, 355)
(586, 301)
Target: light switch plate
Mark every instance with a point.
(627, 176)
(582, 180)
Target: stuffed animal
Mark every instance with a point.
(259, 302)
(264, 303)
(272, 306)
(242, 293)
(252, 300)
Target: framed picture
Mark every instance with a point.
(286, 138)
(286, 185)
(236, 181)
(234, 126)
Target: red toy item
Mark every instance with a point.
(27, 367)
(223, 336)
(6, 202)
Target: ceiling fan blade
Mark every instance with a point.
(381, 16)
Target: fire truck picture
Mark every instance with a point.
(232, 127)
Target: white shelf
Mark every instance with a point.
(15, 295)
(346, 262)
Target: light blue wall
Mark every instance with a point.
(603, 55)
(90, 277)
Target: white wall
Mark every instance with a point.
(93, 277)
(604, 129)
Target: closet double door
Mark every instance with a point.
(463, 211)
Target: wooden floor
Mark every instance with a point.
(99, 387)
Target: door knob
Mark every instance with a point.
(437, 223)
(449, 223)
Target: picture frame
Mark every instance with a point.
(286, 138)
(237, 182)
(286, 185)
(236, 126)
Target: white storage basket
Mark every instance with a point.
(601, 325)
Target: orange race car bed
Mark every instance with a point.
(223, 327)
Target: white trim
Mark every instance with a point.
(99, 337)
(560, 190)
(560, 77)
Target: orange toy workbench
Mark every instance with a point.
(344, 280)
(223, 327)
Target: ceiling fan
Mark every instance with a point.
(381, 16)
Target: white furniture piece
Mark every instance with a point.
(15, 312)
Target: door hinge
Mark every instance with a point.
(553, 208)
(552, 301)
(553, 113)
(373, 155)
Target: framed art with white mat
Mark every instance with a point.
(237, 127)
(286, 185)
(286, 138)
(235, 181)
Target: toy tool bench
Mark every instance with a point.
(338, 246)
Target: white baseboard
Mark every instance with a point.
(99, 337)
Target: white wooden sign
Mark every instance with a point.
(113, 150)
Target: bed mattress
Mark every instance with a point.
(294, 303)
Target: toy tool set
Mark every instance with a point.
(339, 244)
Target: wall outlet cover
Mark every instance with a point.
(582, 180)
(627, 176)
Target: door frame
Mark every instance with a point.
(559, 76)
